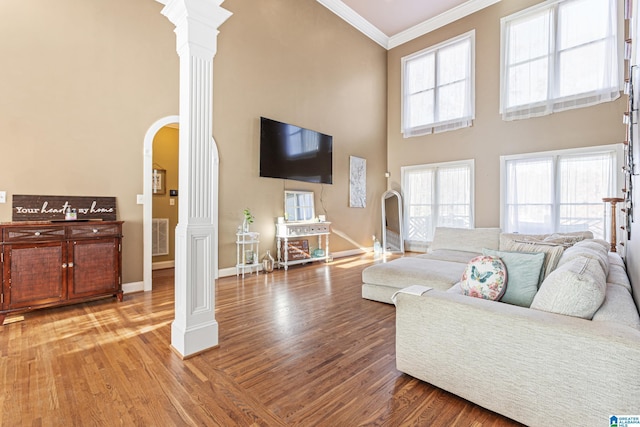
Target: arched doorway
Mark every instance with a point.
(148, 196)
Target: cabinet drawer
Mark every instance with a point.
(305, 230)
(94, 230)
(33, 234)
(319, 228)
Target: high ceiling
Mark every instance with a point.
(393, 22)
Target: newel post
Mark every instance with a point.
(195, 328)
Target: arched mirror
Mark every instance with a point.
(392, 240)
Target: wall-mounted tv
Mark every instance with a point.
(292, 152)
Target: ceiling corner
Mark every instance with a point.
(357, 21)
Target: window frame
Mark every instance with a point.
(618, 176)
(420, 245)
(446, 125)
(553, 102)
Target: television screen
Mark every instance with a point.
(292, 152)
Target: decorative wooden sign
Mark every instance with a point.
(297, 249)
(52, 208)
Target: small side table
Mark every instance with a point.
(247, 251)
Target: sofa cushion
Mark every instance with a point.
(618, 272)
(553, 252)
(465, 239)
(589, 249)
(524, 271)
(557, 239)
(484, 277)
(507, 238)
(450, 255)
(618, 307)
(406, 271)
(568, 239)
(576, 288)
(595, 243)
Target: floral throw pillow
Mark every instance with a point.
(485, 277)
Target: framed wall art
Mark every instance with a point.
(357, 182)
(158, 181)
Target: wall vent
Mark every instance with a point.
(160, 235)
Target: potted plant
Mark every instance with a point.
(248, 219)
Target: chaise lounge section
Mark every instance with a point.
(441, 268)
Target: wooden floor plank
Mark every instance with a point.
(297, 347)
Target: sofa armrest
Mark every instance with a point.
(535, 367)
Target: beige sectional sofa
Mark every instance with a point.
(572, 358)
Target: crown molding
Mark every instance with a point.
(357, 21)
(458, 12)
(368, 29)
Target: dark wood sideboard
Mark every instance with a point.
(47, 264)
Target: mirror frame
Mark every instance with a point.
(296, 208)
(386, 195)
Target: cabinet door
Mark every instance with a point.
(95, 269)
(34, 275)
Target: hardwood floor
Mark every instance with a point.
(296, 348)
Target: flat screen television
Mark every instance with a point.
(292, 152)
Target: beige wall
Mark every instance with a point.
(296, 62)
(490, 137)
(82, 81)
(80, 84)
(165, 156)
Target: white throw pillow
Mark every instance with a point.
(576, 288)
(593, 251)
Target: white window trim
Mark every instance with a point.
(413, 245)
(619, 175)
(472, 64)
(503, 109)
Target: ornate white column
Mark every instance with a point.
(195, 328)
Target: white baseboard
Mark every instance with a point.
(226, 272)
(351, 252)
(416, 246)
(231, 271)
(128, 288)
(162, 265)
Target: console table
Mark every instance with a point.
(289, 232)
(47, 264)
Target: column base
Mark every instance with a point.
(195, 340)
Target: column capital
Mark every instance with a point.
(197, 23)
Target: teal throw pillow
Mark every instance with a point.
(524, 270)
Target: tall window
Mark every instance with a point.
(437, 195)
(438, 87)
(559, 55)
(558, 191)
